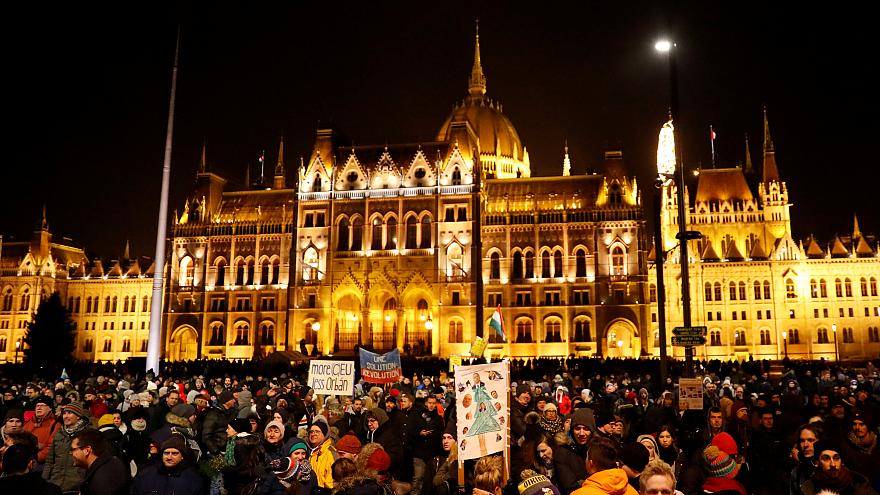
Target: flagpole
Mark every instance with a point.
(154, 342)
(712, 143)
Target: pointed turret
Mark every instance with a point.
(863, 249)
(814, 251)
(733, 253)
(44, 222)
(709, 253)
(126, 254)
(856, 231)
(477, 82)
(566, 162)
(748, 168)
(278, 182)
(838, 250)
(203, 161)
(758, 252)
(771, 173)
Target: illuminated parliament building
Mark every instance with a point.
(394, 246)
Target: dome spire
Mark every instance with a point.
(771, 172)
(566, 162)
(477, 82)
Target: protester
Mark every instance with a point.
(19, 476)
(832, 475)
(605, 477)
(176, 473)
(105, 474)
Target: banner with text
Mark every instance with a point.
(381, 368)
(482, 413)
(332, 377)
(690, 394)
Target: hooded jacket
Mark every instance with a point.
(388, 437)
(607, 482)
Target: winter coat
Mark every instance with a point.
(214, 421)
(30, 484)
(569, 470)
(389, 438)
(44, 431)
(362, 485)
(322, 459)
(106, 476)
(159, 480)
(428, 446)
(607, 482)
(59, 468)
(859, 486)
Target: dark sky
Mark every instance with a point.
(87, 94)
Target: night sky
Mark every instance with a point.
(87, 95)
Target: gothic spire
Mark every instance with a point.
(125, 254)
(278, 182)
(477, 83)
(203, 162)
(771, 173)
(856, 231)
(748, 167)
(44, 222)
(566, 162)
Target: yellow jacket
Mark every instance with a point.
(322, 459)
(607, 482)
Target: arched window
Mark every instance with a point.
(145, 304)
(715, 338)
(267, 333)
(652, 293)
(114, 305)
(580, 262)
(814, 289)
(790, 292)
(124, 304)
(78, 299)
(107, 304)
(582, 330)
(733, 291)
(848, 335)
(557, 264)
(250, 271)
(707, 288)
(823, 288)
(185, 277)
(739, 337)
(766, 289)
(264, 270)
(108, 345)
(310, 264)
(742, 291)
(838, 287)
(517, 268)
(716, 289)
(456, 332)
(617, 261)
(7, 299)
(545, 264)
(2, 344)
(523, 331)
(530, 265)
(218, 334)
(425, 241)
(391, 233)
(847, 285)
(863, 284)
(126, 344)
(276, 270)
(456, 177)
(26, 299)
(357, 234)
(242, 333)
(239, 271)
(873, 286)
(342, 235)
(765, 337)
(822, 336)
(412, 233)
(552, 329)
(376, 241)
(316, 184)
(793, 336)
(495, 266)
(220, 277)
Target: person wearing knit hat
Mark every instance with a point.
(13, 422)
(633, 458)
(379, 461)
(726, 443)
(106, 419)
(323, 454)
(650, 443)
(185, 411)
(722, 470)
(536, 484)
(77, 409)
(238, 426)
(348, 446)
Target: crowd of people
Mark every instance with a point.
(577, 426)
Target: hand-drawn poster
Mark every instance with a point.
(482, 409)
(690, 394)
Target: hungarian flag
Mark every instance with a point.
(497, 322)
(712, 133)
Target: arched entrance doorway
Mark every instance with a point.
(183, 345)
(622, 339)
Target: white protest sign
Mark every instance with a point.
(331, 377)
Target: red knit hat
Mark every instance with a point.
(394, 392)
(350, 444)
(725, 443)
(379, 461)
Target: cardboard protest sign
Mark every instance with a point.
(690, 394)
(331, 377)
(380, 368)
(482, 410)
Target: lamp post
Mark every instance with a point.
(785, 342)
(667, 47)
(834, 331)
(17, 347)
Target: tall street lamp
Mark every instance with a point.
(785, 342)
(834, 331)
(668, 48)
(17, 347)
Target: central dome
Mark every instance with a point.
(502, 154)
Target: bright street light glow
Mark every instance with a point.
(663, 46)
(316, 326)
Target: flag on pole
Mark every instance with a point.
(497, 322)
(712, 144)
(712, 133)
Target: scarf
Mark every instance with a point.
(552, 426)
(716, 485)
(867, 444)
(825, 480)
(73, 430)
